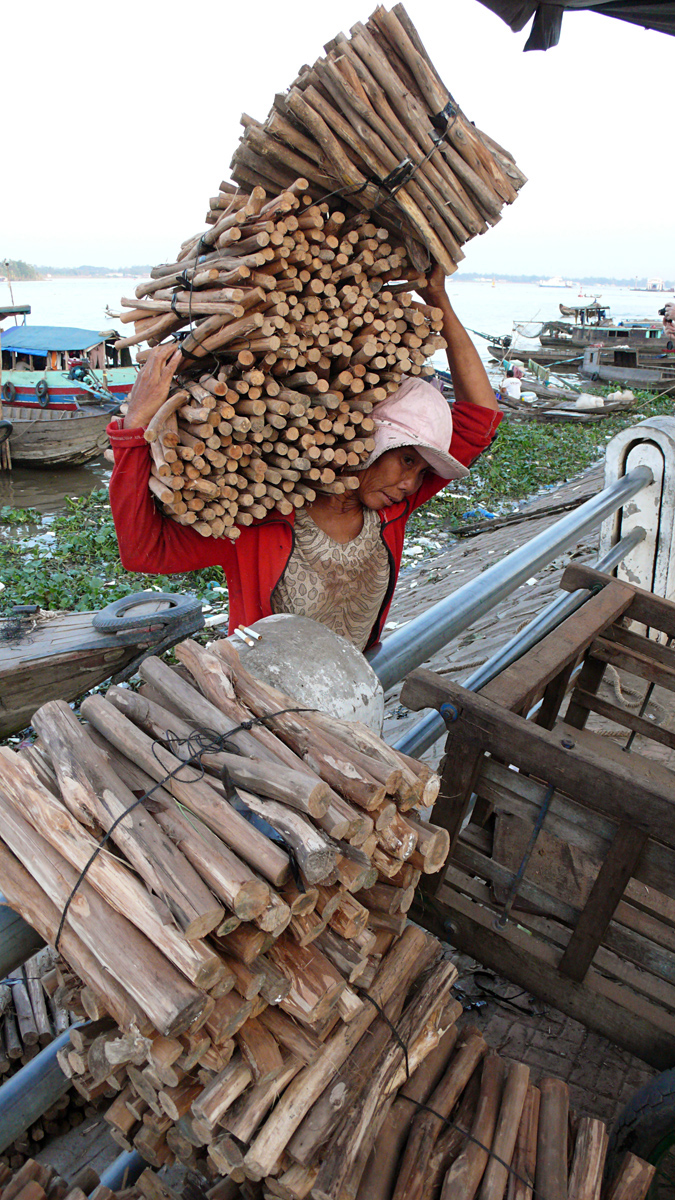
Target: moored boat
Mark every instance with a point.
(60, 656)
(58, 435)
(631, 367)
(52, 364)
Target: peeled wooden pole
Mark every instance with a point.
(496, 1174)
(524, 1162)
(463, 1179)
(633, 1179)
(588, 1162)
(551, 1173)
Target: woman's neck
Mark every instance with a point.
(341, 517)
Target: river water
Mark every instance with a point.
(483, 306)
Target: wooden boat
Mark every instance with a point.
(647, 336)
(631, 367)
(53, 364)
(51, 656)
(59, 435)
(563, 359)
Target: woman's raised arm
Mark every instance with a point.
(469, 377)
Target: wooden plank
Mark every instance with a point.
(554, 695)
(521, 684)
(652, 887)
(621, 716)
(635, 790)
(590, 678)
(461, 766)
(646, 607)
(644, 645)
(642, 665)
(607, 890)
(609, 1008)
(629, 934)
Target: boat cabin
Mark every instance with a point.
(53, 347)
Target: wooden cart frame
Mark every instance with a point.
(562, 875)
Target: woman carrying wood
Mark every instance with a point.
(337, 560)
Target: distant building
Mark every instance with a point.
(655, 285)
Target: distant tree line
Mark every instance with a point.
(89, 272)
(15, 268)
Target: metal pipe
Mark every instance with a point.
(18, 941)
(29, 1093)
(427, 731)
(123, 1171)
(422, 637)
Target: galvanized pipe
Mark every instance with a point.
(29, 1093)
(427, 731)
(422, 637)
(18, 941)
(123, 1171)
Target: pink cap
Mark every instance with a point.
(418, 415)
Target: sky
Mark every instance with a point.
(120, 122)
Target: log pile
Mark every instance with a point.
(34, 1009)
(295, 309)
(533, 1138)
(228, 975)
(40, 1181)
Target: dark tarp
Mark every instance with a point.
(548, 15)
(40, 339)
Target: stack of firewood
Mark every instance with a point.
(230, 975)
(32, 1011)
(299, 295)
(374, 122)
(486, 1131)
(40, 1181)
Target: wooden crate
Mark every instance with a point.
(589, 826)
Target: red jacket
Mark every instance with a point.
(255, 562)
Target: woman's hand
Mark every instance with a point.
(434, 290)
(152, 384)
(669, 319)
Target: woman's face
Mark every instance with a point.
(395, 475)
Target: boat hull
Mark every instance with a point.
(62, 390)
(62, 658)
(56, 437)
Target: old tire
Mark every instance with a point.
(112, 618)
(6, 429)
(42, 392)
(8, 392)
(646, 1127)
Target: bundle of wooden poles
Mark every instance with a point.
(296, 308)
(233, 974)
(374, 121)
(33, 1011)
(296, 333)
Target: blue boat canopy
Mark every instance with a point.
(40, 339)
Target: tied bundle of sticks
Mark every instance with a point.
(374, 121)
(296, 332)
(469, 1123)
(243, 925)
